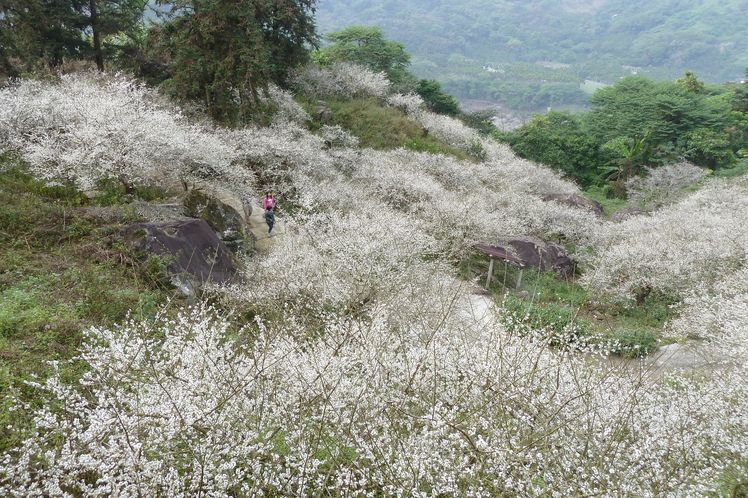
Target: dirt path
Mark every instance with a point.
(259, 229)
(256, 223)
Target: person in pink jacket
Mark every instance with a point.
(269, 201)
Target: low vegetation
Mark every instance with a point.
(63, 269)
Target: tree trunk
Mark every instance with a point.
(98, 53)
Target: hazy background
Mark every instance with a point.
(533, 54)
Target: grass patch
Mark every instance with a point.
(380, 127)
(603, 195)
(565, 311)
(62, 269)
(739, 169)
(559, 323)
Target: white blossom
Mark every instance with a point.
(696, 240)
(662, 185)
(87, 127)
(341, 79)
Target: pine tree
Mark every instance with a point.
(223, 52)
(43, 31)
(111, 17)
(36, 32)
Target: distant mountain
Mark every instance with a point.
(537, 53)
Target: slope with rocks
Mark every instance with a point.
(350, 357)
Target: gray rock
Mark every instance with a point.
(322, 112)
(577, 201)
(193, 253)
(159, 212)
(537, 253)
(225, 220)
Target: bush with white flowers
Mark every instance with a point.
(341, 79)
(694, 241)
(287, 109)
(662, 185)
(88, 127)
(368, 368)
(337, 136)
(180, 407)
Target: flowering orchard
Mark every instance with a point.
(367, 408)
(366, 369)
(662, 185)
(86, 128)
(691, 243)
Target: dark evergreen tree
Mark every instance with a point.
(51, 31)
(223, 52)
(43, 31)
(436, 100)
(108, 18)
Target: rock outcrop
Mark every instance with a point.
(577, 201)
(191, 250)
(224, 219)
(537, 253)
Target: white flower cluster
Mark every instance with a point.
(694, 241)
(447, 129)
(719, 314)
(338, 136)
(662, 185)
(363, 407)
(287, 109)
(342, 79)
(88, 127)
(370, 371)
(411, 104)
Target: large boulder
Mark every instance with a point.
(577, 201)
(225, 220)
(537, 253)
(193, 253)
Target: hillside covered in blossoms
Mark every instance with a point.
(158, 338)
(354, 357)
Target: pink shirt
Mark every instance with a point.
(268, 202)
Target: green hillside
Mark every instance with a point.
(538, 53)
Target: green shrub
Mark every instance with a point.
(633, 344)
(559, 324)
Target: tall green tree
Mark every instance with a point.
(43, 31)
(109, 18)
(48, 32)
(366, 45)
(559, 140)
(635, 107)
(223, 52)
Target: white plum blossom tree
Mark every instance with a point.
(694, 241)
(662, 185)
(182, 407)
(88, 127)
(341, 79)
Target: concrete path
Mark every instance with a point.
(256, 223)
(259, 229)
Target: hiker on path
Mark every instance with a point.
(269, 201)
(270, 219)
